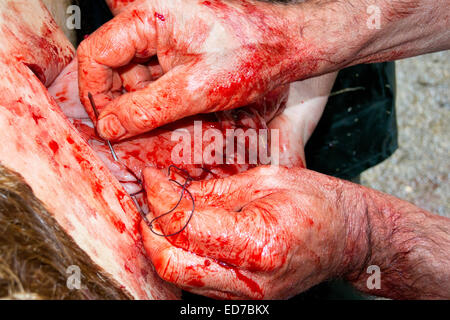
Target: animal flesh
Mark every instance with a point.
(62, 170)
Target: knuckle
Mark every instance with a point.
(266, 258)
(142, 117)
(82, 48)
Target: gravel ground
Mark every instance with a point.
(419, 170)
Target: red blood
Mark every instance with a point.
(79, 158)
(249, 282)
(54, 146)
(207, 263)
(70, 140)
(121, 196)
(61, 93)
(217, 5)
(252, 285)
(195, 283)
(98, 187)
(134, 153)
(120, 226)
(160, 16)
(37, 117)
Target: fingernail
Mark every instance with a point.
(110, 127)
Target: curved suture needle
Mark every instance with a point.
(94, 107)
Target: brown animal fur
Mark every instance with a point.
(35, 252)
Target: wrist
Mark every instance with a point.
(402, 241)
(332, 35)
(347, 33)
(315, 42)
(354, 208)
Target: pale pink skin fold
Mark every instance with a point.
(267, 232)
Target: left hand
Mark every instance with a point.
(268, 233)
(212, 56)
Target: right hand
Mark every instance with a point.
(268, 233)
(213, 55)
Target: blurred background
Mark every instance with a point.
(419, 169)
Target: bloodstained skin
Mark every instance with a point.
(155, 148)
(160, 16)
(54, 146)
(240, 79)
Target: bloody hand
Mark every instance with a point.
(272, 232)
(267, 233)
(211, 56)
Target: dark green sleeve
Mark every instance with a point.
(358, 129)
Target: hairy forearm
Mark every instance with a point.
(410, 246)
(407, 28)
(346, 33)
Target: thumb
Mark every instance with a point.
(162, 194)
